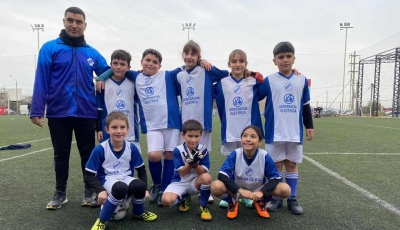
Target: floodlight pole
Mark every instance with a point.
(345, 25)
(16, 92)
(188, 26)
(38, 27)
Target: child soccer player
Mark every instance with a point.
(110, 171)
(118, 95)
(159, 117)
(249, 172)
(237, 102)
(192, 163)
(287, 104)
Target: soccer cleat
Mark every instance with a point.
(154, 192)
(59, 199)
(274, 205)
(146, 216)
(261, 211)
(205, 214)
(223, 204)
(88, 197)
(247, 202)
(233, 210)
(294, 206)
(98, 225)
(184, 206)
(159, 200)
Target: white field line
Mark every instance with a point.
(389, 154)
(373, 197)
(376, 126)
(27, 154)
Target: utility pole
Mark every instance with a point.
(370, 100)
(353, 72)
(345, 25)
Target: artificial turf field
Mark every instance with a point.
(348, 180)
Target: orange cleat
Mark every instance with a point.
(233, 210)
(261, 211)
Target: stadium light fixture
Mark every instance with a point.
(16, 92)
(188, 26)
(344, 25)
(37, 27)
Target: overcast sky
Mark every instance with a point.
(221, 26)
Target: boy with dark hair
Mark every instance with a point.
(191, 177)
(110, 171)
(288, 102)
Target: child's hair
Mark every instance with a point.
(243, 55)
(75, 10)
(192, 125)
(122, 55)
(283, 47)
(116, 115)
(192, 46)
(154, 52)
(255, 128)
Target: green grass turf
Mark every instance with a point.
(27, 183)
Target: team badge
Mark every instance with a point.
(147, 80)
(149, 91)
(237, 101)
(249, 172)
(237, 90)
(189, 91)
(90, 61)
(289, 98)
(119, 92)
(288, 86)
(189, 80)
(120, 104)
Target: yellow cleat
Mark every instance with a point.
(146, 216)
(205, 214)
(184, 206)
(98, 225)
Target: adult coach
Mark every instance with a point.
(64, 88)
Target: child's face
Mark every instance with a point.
(151, 65)
(192, 138)
(237, 64)
(190, 59)
(117, 129)
(250, 140)
(284, 62)
(119, 68)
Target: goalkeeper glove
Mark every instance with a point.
(258, 76)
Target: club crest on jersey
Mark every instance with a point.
(288, 86)
(237, 90)
(149, 91)
(90, 61)
(147, 80)
(249, 172)
(120, 104)
(119, 92)
(289, 98)
(189, 80)
(189, 91)
(116, 165)
(237, 101)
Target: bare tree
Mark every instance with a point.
(3, 96)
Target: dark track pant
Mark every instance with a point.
(61, 130)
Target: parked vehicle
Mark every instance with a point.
(11, 112)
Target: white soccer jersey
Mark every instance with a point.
(179, 162)
(119, 96)
(195, 87)
(250, 173)
(107, 164)
(284, 107)
(237, 102)
(158, 102)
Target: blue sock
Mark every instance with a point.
(168, 172)
(108, 208)
(137, 206)
(292, 178)
(205, 192)
(155, 171)
(268, 199)
(227, 198)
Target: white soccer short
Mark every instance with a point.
(282, 150)
(229, 147)
(181, 188)
(111, 181)
(205, 139)
(162, 139)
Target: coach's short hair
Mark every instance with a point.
(283, 47)
(192, 125)
(75, 10)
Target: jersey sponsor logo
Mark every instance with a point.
(288, 86)
(119, 92)
(237, 101)
(189, 91)
(120, 104)
(147, 80)
(149, 91)
(150, 98)
(237, 90)
(90, 61)
(189, 80)
(248, 178)
(288, 98)
(248, 171)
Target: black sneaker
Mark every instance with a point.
(294, 206)
(154, 192)
(59, 198)
(274, 205)
(88, 197)
(159, 201)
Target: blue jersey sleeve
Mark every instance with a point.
(228, 167)
(306, 93)
(270, 171)
(136, 158)
(178, 161)
(217, 74)
(102, 65)
(96, 159)
(205, 162)
(131, 75)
